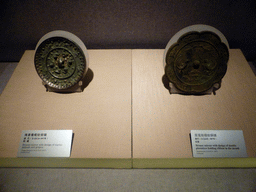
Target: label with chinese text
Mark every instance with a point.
(218, 143)
(45, 143)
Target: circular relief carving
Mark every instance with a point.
(60, 62)
(196, 62)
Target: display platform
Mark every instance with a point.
(100, 116)
(126, 117)
(162, 121)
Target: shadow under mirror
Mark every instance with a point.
(87, 79)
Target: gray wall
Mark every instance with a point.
(123, 24)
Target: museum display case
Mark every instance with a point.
(126, 117)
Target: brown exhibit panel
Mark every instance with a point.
(100, 116)
(125, 111)
(162, 121)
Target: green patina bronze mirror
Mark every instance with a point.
(196, 61)
(61, 61)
